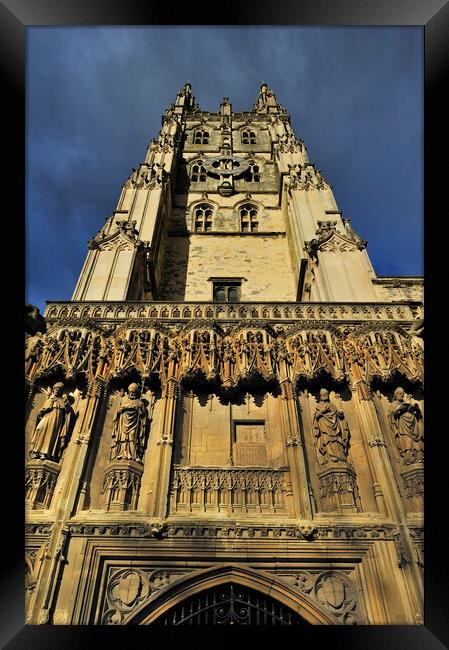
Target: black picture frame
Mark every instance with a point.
(15, 17)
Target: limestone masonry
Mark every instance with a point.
(225, 423)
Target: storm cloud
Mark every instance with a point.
(95, 97)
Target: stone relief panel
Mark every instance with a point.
(129, 588)
(333, 590)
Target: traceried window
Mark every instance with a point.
(201, 137)
(227, 291)
(198, 172)
(248, 218)
(252, 174)
(202, 216)
(249, 137)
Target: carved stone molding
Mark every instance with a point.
(121, 485)
(40, 481)
(40, 529)
(199, 529)
(129, 588)
(333, 590)
(338, 489)
(119, 312)
(413, 479)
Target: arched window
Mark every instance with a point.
(198, 172)
(248, 218)
(252, 174)
(249, 137)
(202, 217)
(201, 137)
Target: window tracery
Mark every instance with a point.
(201, 136)
(248, 136)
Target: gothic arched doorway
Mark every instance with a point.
(218, 595)
(230, 604)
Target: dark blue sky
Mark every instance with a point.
(95, 97)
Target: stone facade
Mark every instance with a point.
(227, 418)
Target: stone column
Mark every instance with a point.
(161, 459)
(302, 508)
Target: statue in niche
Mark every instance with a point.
(50, 435)
(404, 420)
(331, 431)
(130, 422)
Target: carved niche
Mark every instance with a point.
(121, 483)
(338, 481)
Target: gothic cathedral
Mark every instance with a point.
(225, 423)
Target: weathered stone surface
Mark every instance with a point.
(179, 439)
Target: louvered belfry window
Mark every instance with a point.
(203, 217)
(198, 172)
(248, 218)
(252, 174)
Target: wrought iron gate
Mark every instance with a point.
(230, 604)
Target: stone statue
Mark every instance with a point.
(331, 431)
(51, 431)
(130, 421)
(404, 418)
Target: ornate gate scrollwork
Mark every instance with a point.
(230, 604)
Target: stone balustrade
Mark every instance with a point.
(241, 490)
(118, 312)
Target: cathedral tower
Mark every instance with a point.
(225, 423)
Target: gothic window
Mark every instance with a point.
(227, 291)
(252, 174)
(249, 137)
(248, 218)
(202, 215)
(201, 137)
(198, 172)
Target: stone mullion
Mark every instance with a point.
(161, 462)
(295, 451)
(54, 555)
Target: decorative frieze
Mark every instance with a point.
(119, 312)
(38, 529)
(196, 529)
